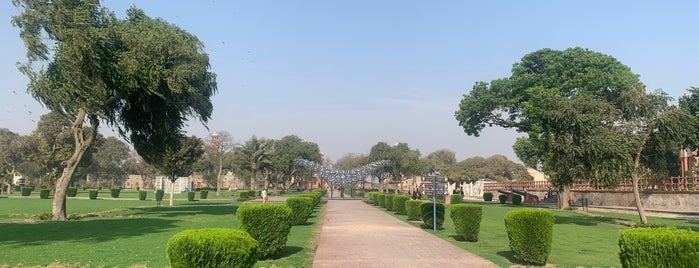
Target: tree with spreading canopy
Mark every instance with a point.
(286, 150)
(254, 156)
(178, 160)
(586, 116)
(143, 76)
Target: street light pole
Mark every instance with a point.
(217, 143)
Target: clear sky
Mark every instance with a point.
(349, 74)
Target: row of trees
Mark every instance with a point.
(586, 116)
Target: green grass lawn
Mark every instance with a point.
(579, 239)
(122, 233)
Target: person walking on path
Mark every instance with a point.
(264, 196)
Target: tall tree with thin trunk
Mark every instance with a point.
(221, 142)
(143, 76)
(254, 155)
(178, 160)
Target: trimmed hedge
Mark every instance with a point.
(203, 194)
(212, 247)
(399, 202)
(659, 247)
(412, 209)
(190, 196)
(44, 193)
(530, 232)
(374, 197)
(301, 209)
(502, 198)
(93, 194)
(388, 202)
(467, 220)
(243, 194)
(159, 195)
(381, 197)
(72, 192)
(488, 196)
(456, 199)
(516, 199)
(426, 213)
(114, 192)
(269, 224)
(26, 191)
(142, 195)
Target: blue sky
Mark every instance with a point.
(348, 74)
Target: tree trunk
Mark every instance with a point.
(81, 145)
(637, 198)
(172, 188)
(563, 197)
(218, 177)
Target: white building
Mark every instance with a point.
(182, 184)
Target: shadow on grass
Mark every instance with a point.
(509, 255)
(188, 209)
(286, 252)
(584, 220)
(90, 231)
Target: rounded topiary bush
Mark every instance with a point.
(456, 199)
(243, 194)
(93, 194)
(412, 209)
(659, 247)
(212, 247)
(159, 195)
(488, 196)
(142, 195)
(502, 198)
(203, 194)
(301, 209)
(114, 192)
(26, 191)
(381, 198)
(72, 191)
(399, 202)
(269, 224)
(516, 199)
(427, 214)
(530, 232)
(190, 196)
(388, 202)
(44, 193)
(467, 220)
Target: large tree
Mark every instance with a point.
(143, 76)
(439, 160)
(286, 150)
(109, 160)
(404, 162)
(221, 142)
(178, 160)
(568, 103)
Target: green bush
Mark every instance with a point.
(659, 247)
(43, 187)
(530, 232)
(44, 193)
(159, 195)
(26, 191)
(426, 213)
(190, 196)
(212, 247)
(516, 199)
(72, 191)
(399, 204)
(114, 191)
(203, 194)
(374, 197)
(381, 200)
(412, 209)
(93, 194)
(243, 194)
(313, 195)
(388, 202)
(142, 195)
(502, 198)
(323, 192)
(301, 209)
(269, 224)
(488, 196)
(467, 220)
(253, 194)
(456, 199)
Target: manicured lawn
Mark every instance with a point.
(579, 239)
(122, 233)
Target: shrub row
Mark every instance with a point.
(456, 199)
(388, 201)
(301, 209)
(427, 213)
(399, 202)
(269, 224)
(247, 194)
(212, 247)
(659, 247)
(412, 209)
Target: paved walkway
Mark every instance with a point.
(355, 234)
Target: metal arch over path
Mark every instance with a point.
(343, 178)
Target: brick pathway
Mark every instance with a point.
(355, 234)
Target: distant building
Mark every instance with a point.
(182, 184)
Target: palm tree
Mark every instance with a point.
(254, 155)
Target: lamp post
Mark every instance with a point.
(216, 142)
